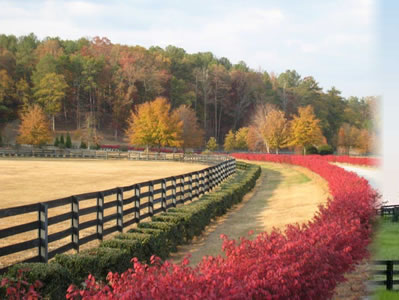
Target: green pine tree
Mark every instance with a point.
(56, 142)
(62, 141)
(68, 143)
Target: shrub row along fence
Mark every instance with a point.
(103, 154)
(91, 216)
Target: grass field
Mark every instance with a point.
(25, 181)
(386, 247)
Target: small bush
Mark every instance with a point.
(54, 277)
(311, 150)
(326, 150)
(96, 261)
(83, 145)
(56, 141)
(68, 143)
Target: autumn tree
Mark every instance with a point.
(255, 140)
(49, 93)
(229, 141)
(153, 125)
(90, 135)
(305, 129)
(212, 144)
(192, 134)
(258, 127)
(34, 128)
(241, 139)
(276, 129)
(348, 137)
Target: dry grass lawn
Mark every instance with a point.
(26, 181)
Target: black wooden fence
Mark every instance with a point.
(104, 154)
(389, 210)
(120, 210)
(385, 273)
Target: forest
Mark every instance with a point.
(96, 81)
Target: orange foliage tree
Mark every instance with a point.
(305, 129)
(34, 128)
(153, 125)
(192, 134)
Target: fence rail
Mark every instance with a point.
(387, 272)
(124, 207)
(103, 154)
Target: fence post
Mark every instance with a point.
(389, 275)
(137, 202)
(190, 186)
(43, 232)
(75, 223)
(182, 196)
(197, 194)
(100, 215)
(174, 191)
(151, 198)
(207, 180)
(119, 209)
(163, 200)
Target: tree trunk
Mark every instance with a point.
(53, 117)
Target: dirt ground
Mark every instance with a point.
(25, 181)
(283, 195)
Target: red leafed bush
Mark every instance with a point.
(303, 262)
(20, 289)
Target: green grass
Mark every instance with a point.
(385, 246)
(386, 240)
(385, 295)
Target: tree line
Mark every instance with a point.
(94, 84)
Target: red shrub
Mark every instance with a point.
(303, 262)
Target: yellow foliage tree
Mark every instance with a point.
(276, 129)
(241, 139)
(229, 141)
(305, 129)
(153, 125)
(212, 145)
(34, 128)
(192, 134)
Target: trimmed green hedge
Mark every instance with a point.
(159, 237)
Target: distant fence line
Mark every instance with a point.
(148, 198)
(104, 154)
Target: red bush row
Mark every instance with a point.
(303, 262)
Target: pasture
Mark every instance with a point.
(26, 181)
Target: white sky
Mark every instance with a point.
(334, 41)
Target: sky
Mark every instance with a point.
(333, 41)
(350, 44)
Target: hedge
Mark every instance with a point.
(305, 261)
(158, 237)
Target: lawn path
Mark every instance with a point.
(283, 195)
